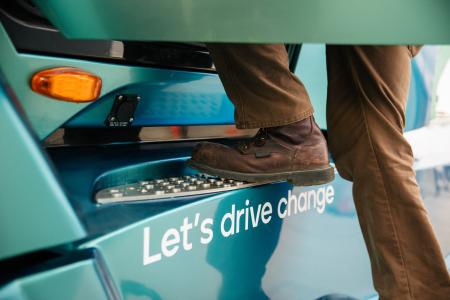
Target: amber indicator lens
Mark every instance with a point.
(68, 84)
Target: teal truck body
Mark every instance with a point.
(256, 242)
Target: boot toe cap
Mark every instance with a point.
(208, 153)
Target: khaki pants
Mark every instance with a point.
(367, 92)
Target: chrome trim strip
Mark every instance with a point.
(103, 136)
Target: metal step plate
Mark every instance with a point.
(167, 188)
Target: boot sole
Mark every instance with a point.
(298, 178)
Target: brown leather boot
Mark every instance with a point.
(295, 152)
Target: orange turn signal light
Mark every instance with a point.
(68, 84)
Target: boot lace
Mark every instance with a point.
(258, 140)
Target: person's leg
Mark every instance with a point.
(266, 95)
(257, 79)
(367, 92)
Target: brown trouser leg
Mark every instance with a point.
(258, 81)
(367, 93)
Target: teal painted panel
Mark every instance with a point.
(78, 281)
(196, 273)
(159, 87)
(302, 255)
(193, 99)
(293, 21)
(34, 211)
